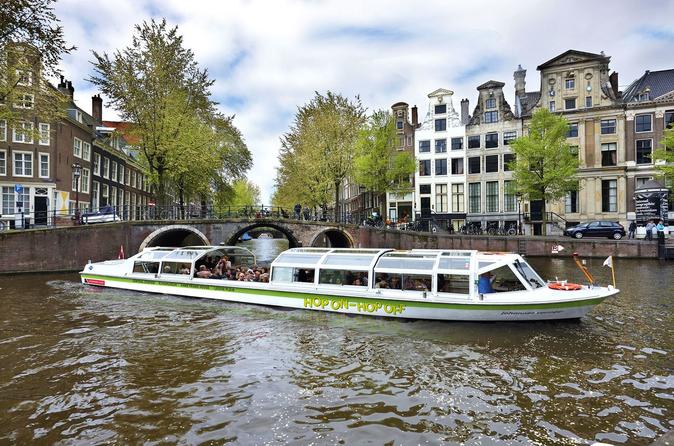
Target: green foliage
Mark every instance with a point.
(666, 154)
(378, 166)
(317, 152)
(191, 150)
(245, 193)
(31, 47)
(544, 166)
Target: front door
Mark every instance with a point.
(425, 207)
(536, 207)
(41, 211)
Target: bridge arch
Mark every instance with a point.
(175, 236)
(333, 238)
(292, 240)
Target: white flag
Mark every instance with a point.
(608, 262)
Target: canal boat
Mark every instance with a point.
(459, 285)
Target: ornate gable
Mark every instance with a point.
(440, 92)
(572, 57)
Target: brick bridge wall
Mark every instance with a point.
(69, 248)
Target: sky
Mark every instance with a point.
(270, 57)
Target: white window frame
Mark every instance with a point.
(113, 171)
(45, 130)
(86, 151)
(24, 133)
(650, 115)
(22, 103)
(84, 180)
(570, 80)
(77, 147)
(97, 164)
(40, 156)
(14, 154)
(3, 130)
(3, 163)
(106, 167)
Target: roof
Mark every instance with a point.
(655, 83)
(125, 129)
(526, 103)
(400, 104)
(570, 57)
(491, 84)
(440, 92)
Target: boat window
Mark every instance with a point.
(175, 268)
(145, 267)
(299, 257)
(183, 254)
(343, 277)
(348, 260)
(415, 263)
(499, 280)
(529, 274)
(153, 255)
(454, 283)
(287, 274)
(402, 281)
(462, 263)
(482, 264)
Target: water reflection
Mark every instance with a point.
(82, 366)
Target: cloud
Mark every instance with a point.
(268, 58)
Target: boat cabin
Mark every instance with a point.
(186, 261)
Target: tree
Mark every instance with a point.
(245, 194)
(317, 153)
(31, 47)
(378, 166)
(187, 146)
(544, 167)
(666, 154)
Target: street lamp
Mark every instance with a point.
(77, 171)
(519, 213)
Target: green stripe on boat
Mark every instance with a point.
(301, 295)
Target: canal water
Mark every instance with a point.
(82, 366)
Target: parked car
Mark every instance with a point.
(104, 215)
(608, 229)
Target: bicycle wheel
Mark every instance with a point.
(512, 231)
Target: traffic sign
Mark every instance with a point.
(18, 188)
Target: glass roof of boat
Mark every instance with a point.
(189, 253)
(326, 257)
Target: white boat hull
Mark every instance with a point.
(548, 305)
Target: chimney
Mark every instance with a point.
(66, 87)
(465, 117)
(613, 79)
(97, 109)
(520, 84)
(415, 117)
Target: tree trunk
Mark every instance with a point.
(161, 188)
(182, 203)
(544, 218)
(337, 185)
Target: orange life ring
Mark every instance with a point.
(564, 286)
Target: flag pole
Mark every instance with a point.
(613, 273)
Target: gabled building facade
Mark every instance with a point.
(400, 204)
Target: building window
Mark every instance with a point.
(113, 196)
(3, 163)
(570, 84)
(509, 136)
(97, 164)
(609, 196)
(23, 164)
(84, 185)
(45, 135)
(104, 195)
(77, 147)
(440, 145)
(25, 101)
(121, 174)
(457, 143)
(113, 171)
(441, 167)
(441, 198)
(457, 166)
(608, 126)
(571, 203)
(644, 148)
(474, 196)
(474, 164)
(44, 165)
(440, 109)
(425, 189)
(86, 151)
(669, 121)
(508, 158)
(609, 154)
(7, 201)
(509, 197)
(127, 176)
(24, 78)
(641, 181)
(409, 140)
(424, 146)
(573, 130)
(23, 132)
(490, 116)
(399, 124)
(642, 123)
(491, 196)
(3, 130)
(95, 191)
(440, 125)
(491, 140)
(458, 198)
(570, 104)
(491, 163)
(490, 103)
(474, 142)
(106, 168)
(551, 106)
(588, 101)
(424, 168)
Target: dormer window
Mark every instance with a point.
(441, 109)
(490, 103)
(24, 78)
(78, 115)
(490, 116)
(570, 84)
